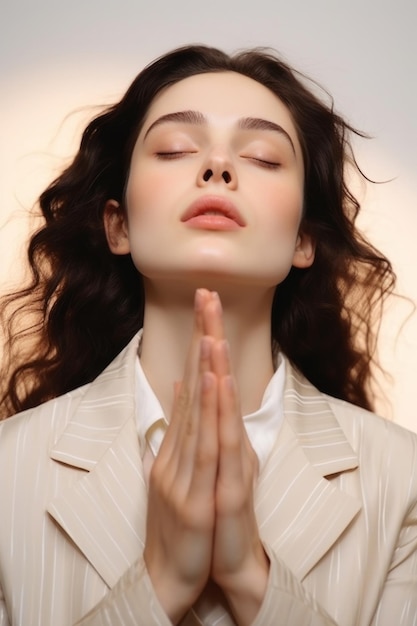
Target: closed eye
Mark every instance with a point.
(272, 165)
(173, 154)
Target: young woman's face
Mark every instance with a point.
(215, 189)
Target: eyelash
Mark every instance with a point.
(172, 155)
(270, 165)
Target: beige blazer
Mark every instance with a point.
(336, 505)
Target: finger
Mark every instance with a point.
(231, 442)
(220, 358)
(213, 317)
(189, 393)
(231, 427)
(184, 391)
(204, 473)
(180, 409)
(188, 432)
(189, 406)
(197, 360)
(182, 438)
(206, 348)
(201, 299)
(185, 404)
(238, 462)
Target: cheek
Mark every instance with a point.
(148, 207)
(140, 193)
(285, 213)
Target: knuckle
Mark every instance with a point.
(190, 425)
(195, 516)
(232, 445)
(184, 400)
(205, 457)
(160, 483)
(188, 515)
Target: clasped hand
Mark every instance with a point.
(201, 521)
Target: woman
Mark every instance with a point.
(209, 201)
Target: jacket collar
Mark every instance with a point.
(107, 404)
(318, 432)
(104, 510)
(300, 512)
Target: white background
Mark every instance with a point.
(59, 59)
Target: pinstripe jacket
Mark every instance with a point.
(336, 504)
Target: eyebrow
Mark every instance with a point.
(198, 119)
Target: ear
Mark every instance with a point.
(115, 225)
(305, 249)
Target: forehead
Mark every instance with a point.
(226, 95)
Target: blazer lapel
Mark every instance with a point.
(104, 509)
(300, 512)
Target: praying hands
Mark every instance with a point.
(201, 521)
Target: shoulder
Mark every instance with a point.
(50, 417)
(362, 427)
(56, 413)
(384, 452)
(387, 456)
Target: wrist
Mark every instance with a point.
(175, 596)
(175, 599)
(246, 590)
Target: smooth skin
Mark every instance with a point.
(201, 520)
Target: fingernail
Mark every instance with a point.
(216, 299)
(198, 300)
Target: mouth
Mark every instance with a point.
(213, 213)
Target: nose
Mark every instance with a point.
(218, 168)
(209, 174)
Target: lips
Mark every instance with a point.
(213, 212)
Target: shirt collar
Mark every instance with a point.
(262, 425)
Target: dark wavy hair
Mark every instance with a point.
(83, 303)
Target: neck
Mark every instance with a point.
(167, 329)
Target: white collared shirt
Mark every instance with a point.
(262, 426)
